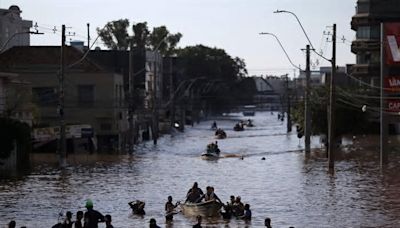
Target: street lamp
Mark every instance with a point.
(304, 31)
(283, 49)
(332, 98)
(14, 35)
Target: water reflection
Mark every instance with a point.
(289, 187)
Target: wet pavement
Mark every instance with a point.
(289, 187)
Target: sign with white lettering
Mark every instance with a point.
(392, 38)
(392, 84)
(393, 105)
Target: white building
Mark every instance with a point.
(14, 31)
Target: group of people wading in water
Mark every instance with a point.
(91, 218)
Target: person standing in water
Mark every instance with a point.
(169, 209)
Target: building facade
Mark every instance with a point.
(93, 95)
(14, 31)
(366, 22)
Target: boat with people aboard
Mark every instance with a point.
(220, 134)
(212, 151)
(238, 127)
(206, 209)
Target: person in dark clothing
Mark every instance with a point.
(198, 224)
(12, 224)
(79, 217)
(137, 207)
(267, 223)
(227, 214)
(169, 209)
(194, 194)
(108, 221)
(92, 217)
(247, 213)
(68, 220)
(153, 223)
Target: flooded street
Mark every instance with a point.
(287, 187)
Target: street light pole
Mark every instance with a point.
(14, 35)
(62, 140)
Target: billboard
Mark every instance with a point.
(392, 40)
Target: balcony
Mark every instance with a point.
(365, 70)
(365, 45)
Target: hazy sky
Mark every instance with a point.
(229, 24)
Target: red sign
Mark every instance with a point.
(393, 105)
(392, 84)
(392, 41)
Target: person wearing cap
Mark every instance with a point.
(153, 223)
(92, 217)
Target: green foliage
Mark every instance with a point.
(212, 63)
(349, 119)
(115, 34)
(162, 40)
(141, 33)
(10, 131)
(116, 37)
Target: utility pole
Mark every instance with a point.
(383, 117)
(88, 36)
(289, 121)
(307, 113)
(171, 95)
(155, 105)
(61, 143)
(131, 101)
(332, 106)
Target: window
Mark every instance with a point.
(368, 32)
(368, 57)
(45, 96)
(86, 94)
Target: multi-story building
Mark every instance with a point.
(14, 31)
(93, 95)
(366, 46)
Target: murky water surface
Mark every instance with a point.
(287, 187)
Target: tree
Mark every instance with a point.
(140, 37)
(212, 63)
(162, 40)
(349, 119)
(115, 34)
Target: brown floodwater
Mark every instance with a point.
(289, 187)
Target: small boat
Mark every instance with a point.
(205, 209)
(238, 127)
(209, 156)
(211, 153)
(220, 134)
